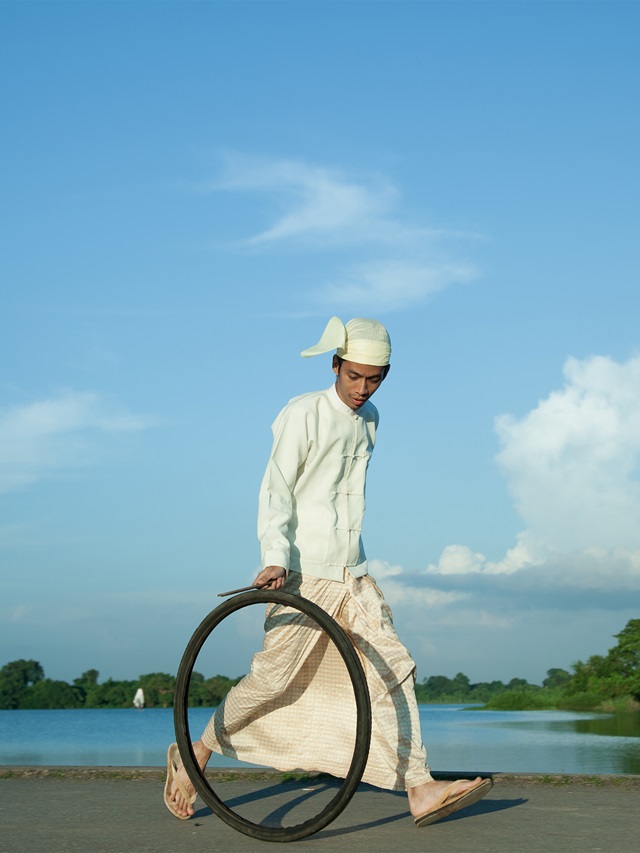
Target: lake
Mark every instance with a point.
(457, 739)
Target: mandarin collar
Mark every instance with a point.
(340, 405)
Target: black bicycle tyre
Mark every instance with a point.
(363, 706)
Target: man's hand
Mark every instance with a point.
(272, 577)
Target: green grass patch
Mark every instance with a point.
(522, 700)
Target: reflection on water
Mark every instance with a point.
(533, 741)
(617, 733)
(456, 739)
(609, 725)
(613, 725)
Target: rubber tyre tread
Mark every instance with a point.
(363, 706)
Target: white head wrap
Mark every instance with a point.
(361, 340)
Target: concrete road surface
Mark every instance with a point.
(121, 809)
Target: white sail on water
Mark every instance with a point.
(138, 699)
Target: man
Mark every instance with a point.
(296, 709)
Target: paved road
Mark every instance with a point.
(111, 811)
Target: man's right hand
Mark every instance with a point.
(273, 577)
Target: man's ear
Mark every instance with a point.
(335, 365)
(385, 373)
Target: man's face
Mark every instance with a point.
(357, 382)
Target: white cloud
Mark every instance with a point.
(399, 588)
(492, 624)
(457, 560)
(326, 209)
(461, 560)
(572, 462)
(315, 203)
(572, 578)
(593, 570)
(51, 435)
(572, 465)
(390, 285)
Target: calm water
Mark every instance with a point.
(456, 739)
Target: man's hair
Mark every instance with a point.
(341, 361)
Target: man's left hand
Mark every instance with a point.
(273, 577)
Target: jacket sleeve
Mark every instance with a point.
(276, 504)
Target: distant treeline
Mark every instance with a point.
(603, 682)
(23, 685)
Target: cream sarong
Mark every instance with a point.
(296, 710)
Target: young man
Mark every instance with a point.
(295, 709)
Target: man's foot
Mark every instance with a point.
(434, 800)
(179, 793)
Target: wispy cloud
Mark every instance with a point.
(316, 205)
(393, 265)
(59, 433)
(390, 285)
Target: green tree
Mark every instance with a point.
(112, 694)
(593, 678)
(159, 688)
(624, 658)
(439, 688)
(208, 693)
(195, 690)
(485, 690)
(461, 684)
(48, 694)
(211, 692)
(435, 687)
(15, 678)
(87, 682)
(556, 678)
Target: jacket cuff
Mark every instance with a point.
(276, 558)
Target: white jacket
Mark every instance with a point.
(312, 502)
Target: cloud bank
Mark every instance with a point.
(571, 464)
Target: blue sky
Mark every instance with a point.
(190, 191)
